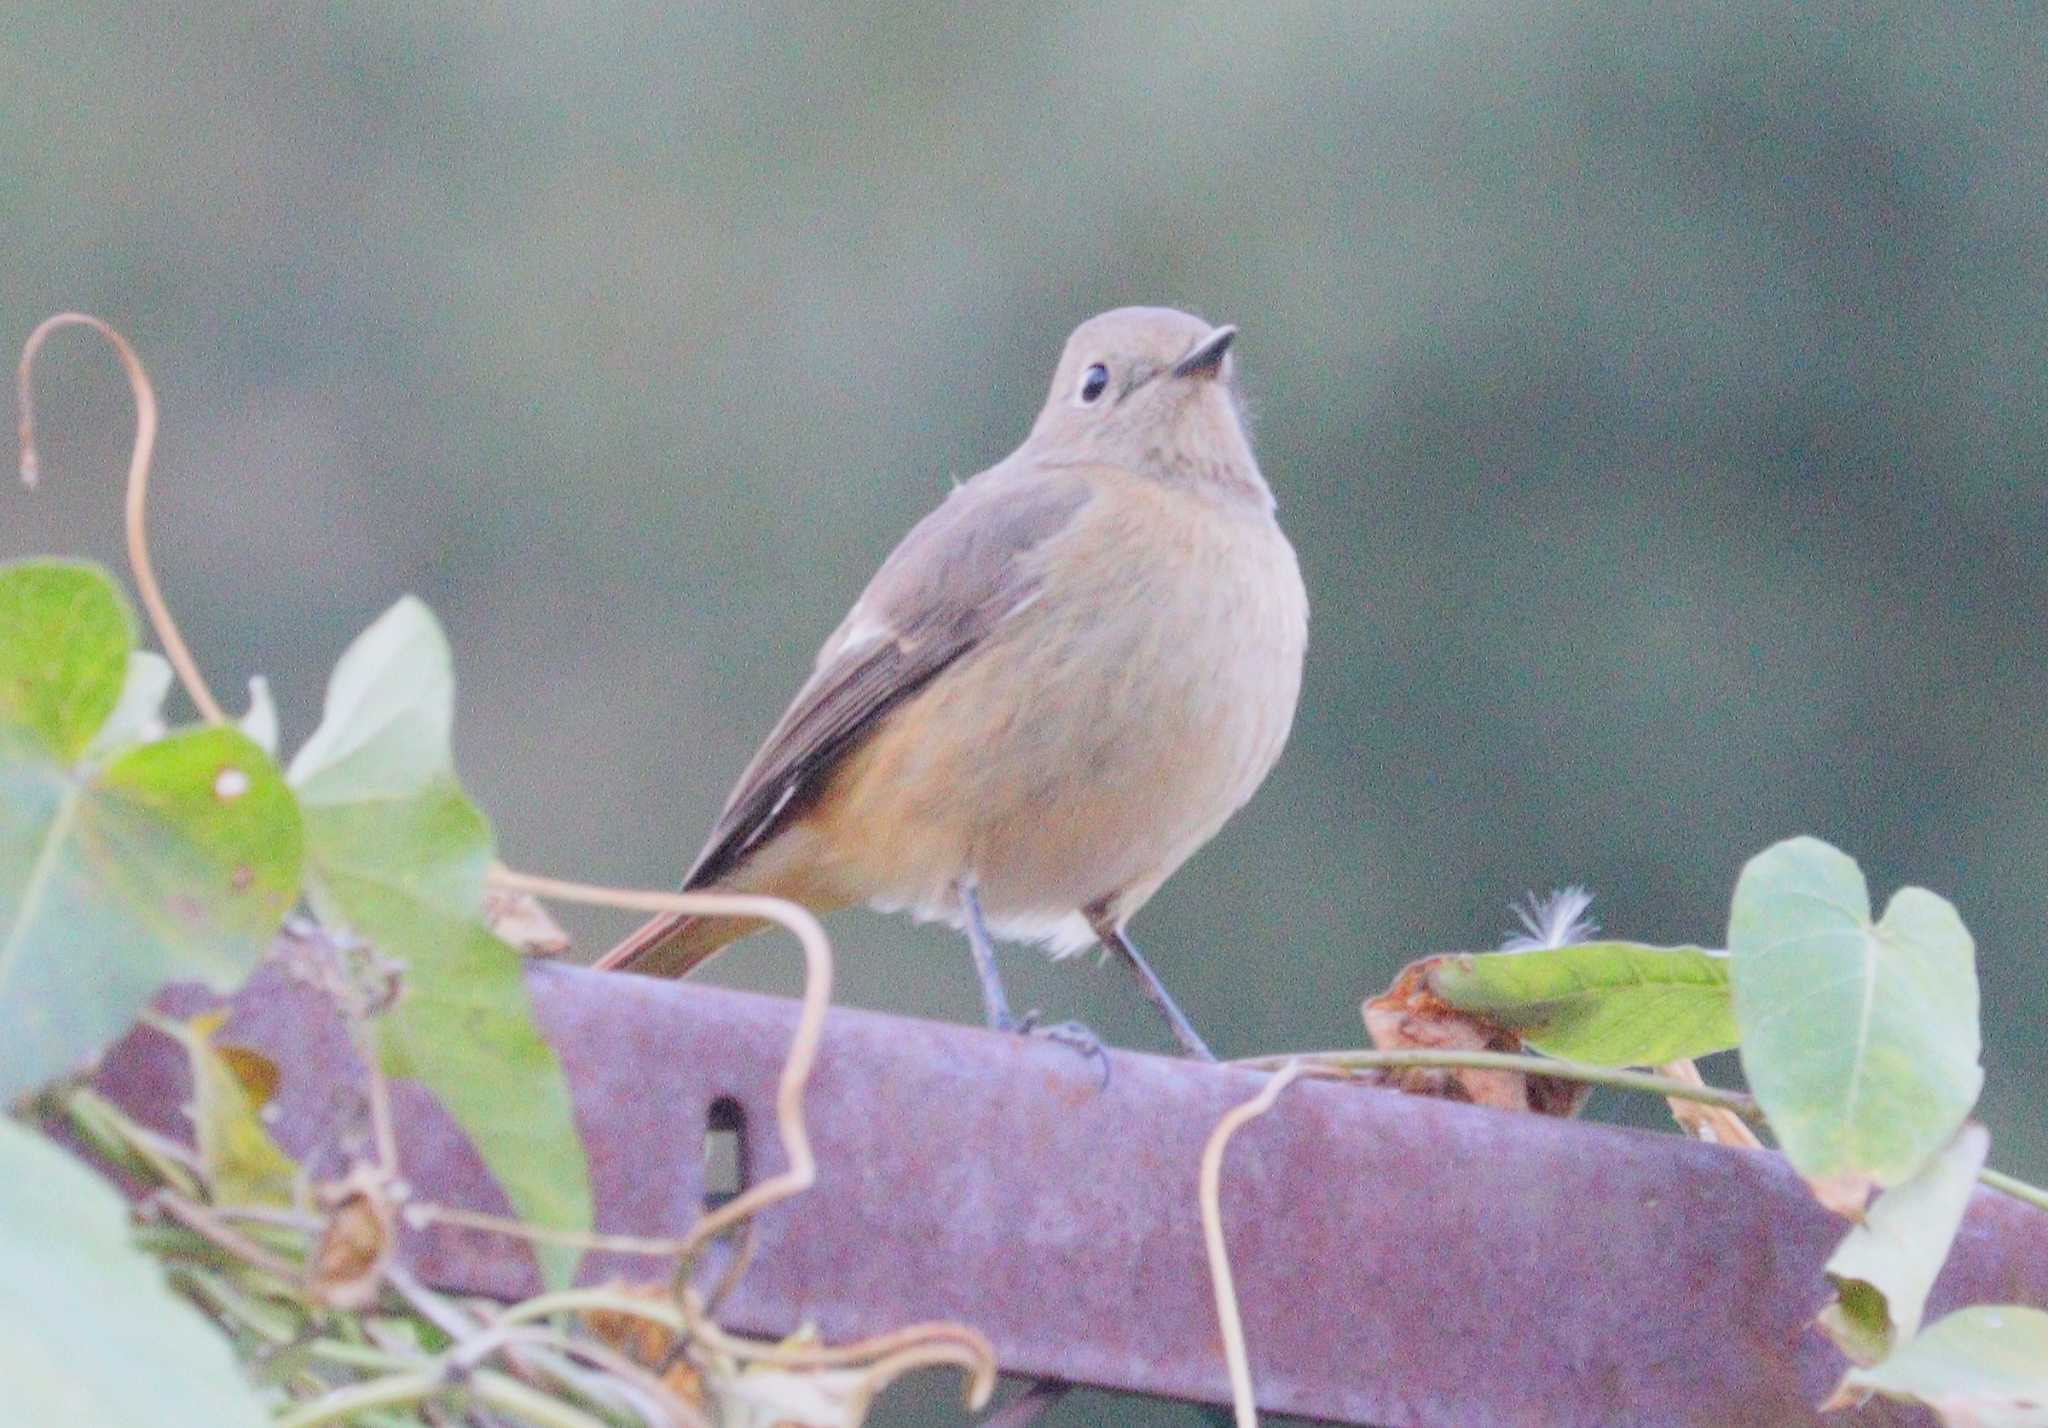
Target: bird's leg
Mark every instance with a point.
(996, 1006)
(1113, 938)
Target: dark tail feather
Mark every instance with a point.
(675, 943)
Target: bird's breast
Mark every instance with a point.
(1102, 733)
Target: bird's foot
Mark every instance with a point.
(1071, 1034)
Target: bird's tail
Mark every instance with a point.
(675, 943)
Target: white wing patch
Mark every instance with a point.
(767, 824)
(862, 627)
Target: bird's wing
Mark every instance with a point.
(960, 573)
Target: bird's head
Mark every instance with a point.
(1155, 391)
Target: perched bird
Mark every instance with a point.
(1054, 691)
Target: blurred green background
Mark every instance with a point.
(1656, 395)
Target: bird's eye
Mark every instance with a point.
(1094, 382)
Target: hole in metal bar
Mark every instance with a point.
(726, 1167)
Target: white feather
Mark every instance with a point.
(1555, 921)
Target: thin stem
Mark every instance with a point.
(271, 1217)
(2019, 1189)
(1337, 1063)
(361, 1356)
(420, 1214)
(735, 1267)
(629, 1387)
(475, 1341)
(915, 1345)
(201, 1222)
(175, 648)
(583, 1301)
(391, 1391)
(504, 1392)
(383, 1128)
(354, 1000)
(1210, 1196)
(979, 1371)
(450, 1318)
(279, 1326)
(171, 1162)
(974, 1352)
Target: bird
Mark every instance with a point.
(1057, 687)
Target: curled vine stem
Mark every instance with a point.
(937, 1341)
(1210, 1196)
(152, 595)
(884, 1356)
(803, 1046)
(977, 1363)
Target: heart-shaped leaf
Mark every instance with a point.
(397, 855)
(1981, 1367)
(1601, 1003)
(89, 1332)
(171, 859)
(1859, 1038)
(1886, 1267)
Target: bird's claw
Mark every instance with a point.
(1074, 1035)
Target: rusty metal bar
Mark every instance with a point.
(1400, 1261)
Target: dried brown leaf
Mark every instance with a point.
(647, 1343)
(346, 1269)
(1409, 1016)
(1714, 1124)
(520, 919)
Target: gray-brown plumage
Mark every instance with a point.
(1055, 689)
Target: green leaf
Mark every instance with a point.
(65, 633)
(1885, 1268)
(89, 1332)
(398, 855)
(389, 714)
(230, 1086)
(1981, 1367)
(172, 859)
(1601, 1003)
(177, 859)
(1859, 1039)
(138, 715)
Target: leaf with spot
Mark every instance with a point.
(397, 855)
(172, 859)
(1859, 1037)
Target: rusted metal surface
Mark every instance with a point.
(1402, 1262)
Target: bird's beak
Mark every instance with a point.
(1207, 358)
